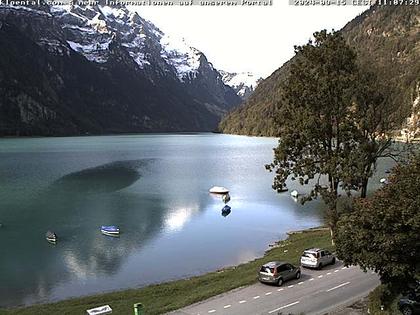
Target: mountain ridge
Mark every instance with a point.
(101, 70)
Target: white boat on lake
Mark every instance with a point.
(294, 194)
(219, 190)
(110, 230)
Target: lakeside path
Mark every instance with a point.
(175, 295)
(316, 292)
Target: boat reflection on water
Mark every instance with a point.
(226, 211)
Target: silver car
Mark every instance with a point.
(277, 272)
(316, 258)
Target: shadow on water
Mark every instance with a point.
(103, 178)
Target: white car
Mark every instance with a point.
(316, 258)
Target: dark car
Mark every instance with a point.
(410, 304)
(277, 272)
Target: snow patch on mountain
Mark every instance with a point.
(184, 58)
(244, 83)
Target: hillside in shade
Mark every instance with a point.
(97, 69)
(386, 39)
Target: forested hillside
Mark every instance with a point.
(387, 41)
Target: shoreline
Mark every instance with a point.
(168, 296)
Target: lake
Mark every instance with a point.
(155, 188)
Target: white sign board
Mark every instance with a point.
(101, 310)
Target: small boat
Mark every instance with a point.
(226, 198)
(283, 188)
(226, 210)
(110, 230)
(383, 181)
(294, 194)
(219, 190)
(387, 171)
(51, 237)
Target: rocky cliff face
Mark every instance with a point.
(98, 69)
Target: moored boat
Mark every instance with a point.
(283, 188)
(383, 181)
(294, 194)
(219, 190)
(110, 230)
(51, 237)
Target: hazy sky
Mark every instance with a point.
(256, 39)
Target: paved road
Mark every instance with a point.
(316, 292)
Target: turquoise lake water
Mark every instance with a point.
(155, 188)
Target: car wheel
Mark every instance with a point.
(298, 275)
(406, 310)
(333, 261)
(279, 282)
(320, 266)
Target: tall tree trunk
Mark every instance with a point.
(364, 187)
(332, 236)
(365, 180)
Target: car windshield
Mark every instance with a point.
(267, 269)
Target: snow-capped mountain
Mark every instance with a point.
(153, 82)
(244, 83)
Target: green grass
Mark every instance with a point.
(169, 296)
(375, 301)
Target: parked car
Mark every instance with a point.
(316, 258)
(277, 272)
(410, 304)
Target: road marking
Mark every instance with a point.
(212, 311)
(256, 297)
(328, 273)
(291, 286)
(320, 276)
(339, 286)
(227, 306)
(312, 279)
(300, 282)
(243, 301)
(280, 308)
(373, 272)
(344, 268)
(337, 270)
(268, 293)
(281, 289)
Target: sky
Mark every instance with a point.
(257, 39)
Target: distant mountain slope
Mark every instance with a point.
(99, 69)
(387, 38)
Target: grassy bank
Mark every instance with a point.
(169, 296)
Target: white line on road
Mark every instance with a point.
(328, 273)
(281, 289)
(227, 306)
(212, 311)
(312, 279)
(280, 308)
(344, 268)
(320, 276)
(339, 286)
(336, 270)
(268, 293)
(291, 286)
(300, 282)
(243, 301)
(256, 297)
